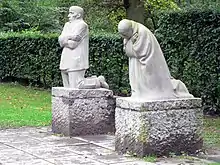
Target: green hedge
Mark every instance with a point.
(190, 41)
(36, 57)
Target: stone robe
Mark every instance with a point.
(149, 75)
(75, 40)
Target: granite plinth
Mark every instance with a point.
(82, 111)
(158, 127)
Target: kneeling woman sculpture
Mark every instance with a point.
(149, 75)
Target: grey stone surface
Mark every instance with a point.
(82, 112)
(46, 151)
(100, 140)
(184, 160)
(102, 154)
(174, 129)
(13, 156)
(60, 116)
(30, 162)
(212, 154)
(135, 163)
(156, 105)
(81, 93)
(74, 159)
(53, 149)
(57, 150)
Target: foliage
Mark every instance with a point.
(190, 41)
(21, 15)
(196, 3)
(188, 38)
(115, 16)
(96, 17)
(153, 7)
(118, 12)
(211, 132)
(66, 3)
(50, 15)
(157, 5)
(150, 158)
(36, 57)
(24, 106)
(7, 14)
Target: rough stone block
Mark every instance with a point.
(82, 111)
(158, 127)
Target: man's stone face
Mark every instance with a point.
(73, 15)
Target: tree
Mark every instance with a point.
(135, 10)
(142, 11)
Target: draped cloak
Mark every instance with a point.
(149, 75)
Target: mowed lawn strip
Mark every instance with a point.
(24, 106)
(212, 132)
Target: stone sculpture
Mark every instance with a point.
(149, 75)
(75, 55)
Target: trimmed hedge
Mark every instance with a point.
(36, 57)
(189, 39)
(191, 44)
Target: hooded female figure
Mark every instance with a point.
(149, 75)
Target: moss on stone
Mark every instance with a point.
(143, 109)
(143, 136)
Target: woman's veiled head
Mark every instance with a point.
(125, 28)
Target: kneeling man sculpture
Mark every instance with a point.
(84, 106)
(75, 56)
(149, 75)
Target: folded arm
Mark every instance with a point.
(72, 40)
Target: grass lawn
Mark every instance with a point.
(24, 106)
(212, 132)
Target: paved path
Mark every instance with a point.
(32, 146)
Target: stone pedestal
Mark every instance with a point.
(82, 111)
(158, 127)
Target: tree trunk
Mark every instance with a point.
(135, 10)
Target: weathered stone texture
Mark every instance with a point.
(146, 128)
(81, 93)
(128, 103)
(83, 111)
(60, 116)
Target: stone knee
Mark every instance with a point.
(65, 79)
(75, 77)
